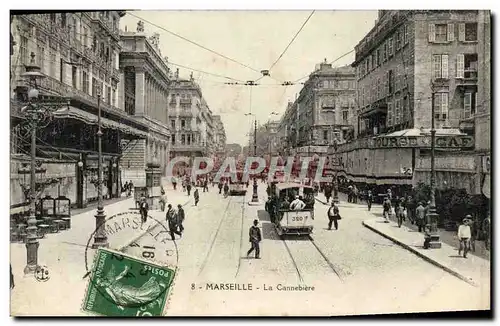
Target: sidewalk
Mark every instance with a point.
(64, 255)
(473, 270)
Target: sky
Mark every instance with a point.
(254, 39)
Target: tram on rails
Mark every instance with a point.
(238, 187)
(287, 220)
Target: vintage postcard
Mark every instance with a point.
(250, 163)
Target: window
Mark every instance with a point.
(85, 37)
(389, 114)
(398, 40)
(384, 52)
(173, 139)
(61, 70)
(74, 78)
(94, 87)
(467, 32)
(41, 57)
(467, 65)
(63, 20)
(345, 115)
(369, 64)
(85, 82)
(325, 135)
(73, 28)
(183, 123)
(404, 109)
(113, 98)
(23, 50)
(378, 57)
(469, 105)
(441, 106)
(172, 124)
(397, 107)
(183, 139)
(390, 81)
(325, 83)
(441, 33)
(390, 47)
(440, 66)
(406, 34)
(108, 95)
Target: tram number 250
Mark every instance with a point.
(298, 218)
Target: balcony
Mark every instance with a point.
(188, 148)
(54, 85)
(105, 23)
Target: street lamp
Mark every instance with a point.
(37, 115)
(255, 196)
(100, 238)
(432, 216)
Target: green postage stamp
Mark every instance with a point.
(121, 285)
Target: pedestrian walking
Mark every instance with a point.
(328, 192)
(163, 199)
(125, 187)
(369, 199)
(420, 216)
(181, 215)
(143, 209)
(12, 285)
(226, 190)
(172, 219)
(205, 185)
(174, 182)
(255, 237)
(464, 235)
(333, 216)
(349, 194)
(355, 194)
(188, 188)
(196, 197)
(386, 209)
(410, 208)
(220, 187)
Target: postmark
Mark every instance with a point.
(122, 285)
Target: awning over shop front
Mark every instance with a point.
(71, 112)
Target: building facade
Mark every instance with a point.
(322, 113)
(78, 55)
(413, 63)
(190, 119)
(220, 135)
(144, 92)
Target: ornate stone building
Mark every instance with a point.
(322, 112)
(78, 54)
(144, 94)
(190, 119)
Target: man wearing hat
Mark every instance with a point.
(464, 235)
(143, 209)
(255, 237)
(297, 204)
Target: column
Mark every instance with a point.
(140, 91)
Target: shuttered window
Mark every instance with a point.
(460, 66)
(389, 114)
(432, 33)
(440, 66)
(441, 106)
(467, 105)
(461, 32)
(451, 32)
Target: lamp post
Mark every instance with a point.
(255, 196)
(335, 178)
(432, 216)
(37, 115)
(100, 238)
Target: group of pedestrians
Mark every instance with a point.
(128, 187)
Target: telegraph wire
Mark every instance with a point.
(293, 39)
(192, 42)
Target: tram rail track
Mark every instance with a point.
(300, 273)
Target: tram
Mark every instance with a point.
(286, 220)
(238, 187)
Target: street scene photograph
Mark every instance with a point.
(250, 163)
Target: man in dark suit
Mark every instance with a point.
(143, 209)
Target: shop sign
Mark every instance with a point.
(424, 141)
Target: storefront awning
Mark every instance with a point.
(71, 112)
